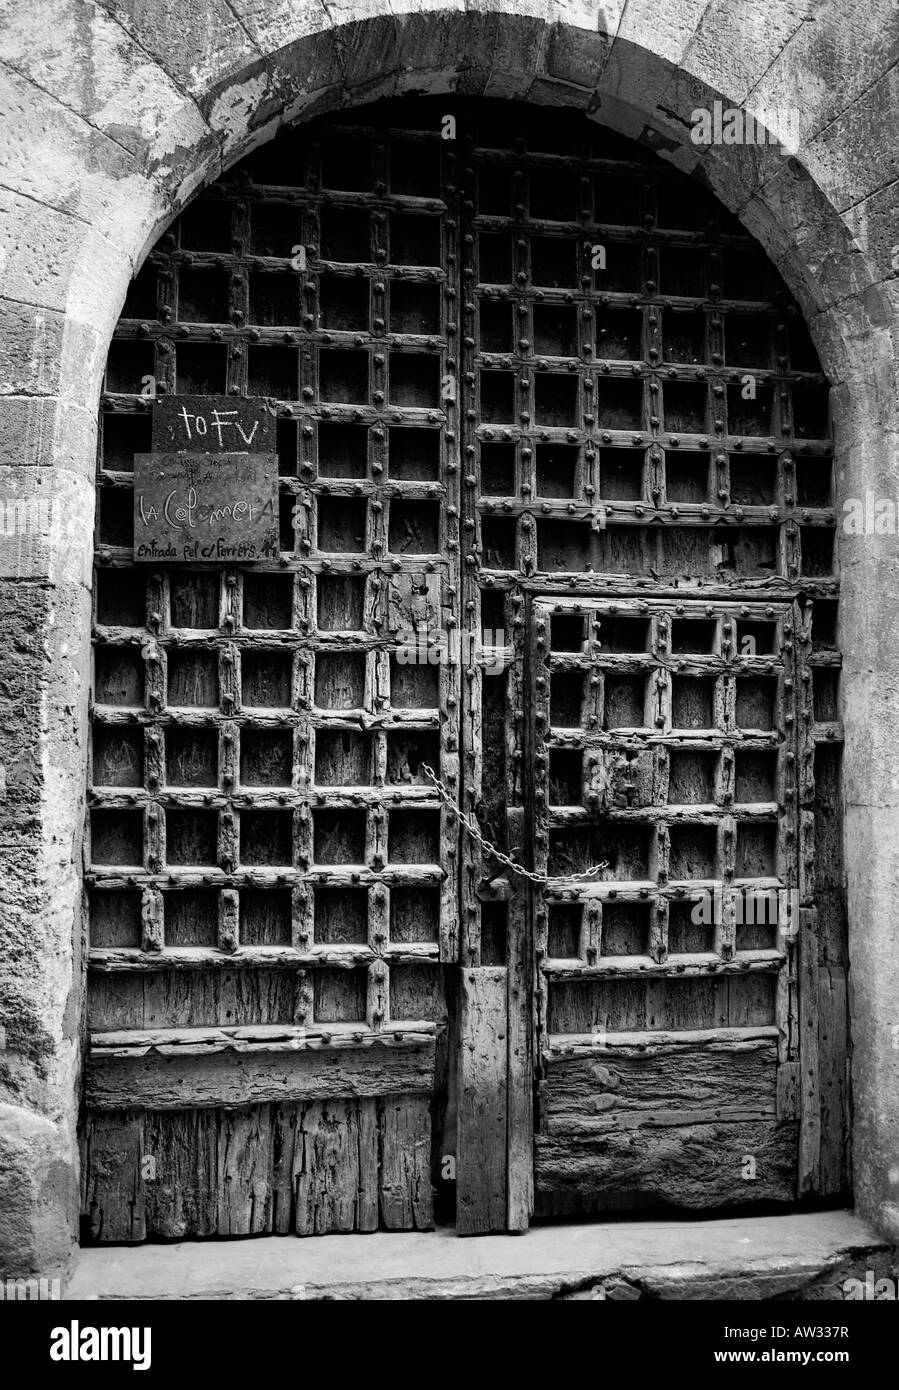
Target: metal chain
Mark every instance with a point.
(475, 833)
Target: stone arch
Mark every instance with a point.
(157, 107)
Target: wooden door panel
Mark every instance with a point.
(664, 991)
(499, 376)
(272, 886)
(310, 1167)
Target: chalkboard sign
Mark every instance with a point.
(213, 424)
(206, 507)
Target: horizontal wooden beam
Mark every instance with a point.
(125, 959)
(185, 1077)
(676, 967)
(559, 1045)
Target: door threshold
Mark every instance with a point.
(799, 1255)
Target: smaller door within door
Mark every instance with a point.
(666, 1008)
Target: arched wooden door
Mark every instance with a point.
(554, 520)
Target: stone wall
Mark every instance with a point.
(114, 114)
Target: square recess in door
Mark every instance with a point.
(691, 777)
(191, 837)
(343, 376)
(121, 598)
(118, 676)
(624, 849)
(338, 836)
(266, 679)
(343, 303)
(556, 470)
(494, 933)
(566, 776)
(620, 407)
(340, 680)
(407, 749)
(497, 470)
(497, 326)
(619, 334)
(340, 603)
(265, 917)
(625, 929)
(345, 235)
(193, 678)
(554, 262)
(756, 855)
(685, 407)
(625, 702)
(115, 918)
(339, 996)
(621, 474)
(117, 837)
(266, 757)
(556, 399)
(566, 696)
(266, 838)
(414, 240)
(191, 917)
(692, 702)
(414, 380)
(414, 991)
(194, 600)
(565, 921)
(342, 758)
(414, 913)
(414, 527)
(566, 632)
(620, 634)
(687, 477)
(267, 601)
(756, 638)
(693, 851)
(694, 636)
(413, 837)
(341, 525)
(755, 775)
(414, 308)
(414, 685)
(686, 936)
(498, 542)
(191, 757)
(413, 454)
(341, 916)
(118, 756)
(555, 330)
(342, 451)
(756, 702)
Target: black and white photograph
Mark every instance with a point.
(449, 673)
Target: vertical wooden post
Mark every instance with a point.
(481, 1176)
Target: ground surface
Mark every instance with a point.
(806, 1256)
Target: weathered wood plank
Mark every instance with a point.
(585, 1044)
(344, 1164)
(809, 1085)
(157, 1082)
(335, 1160)
(521, 1071)
(481, 1184)
(694, 1166)
(112, 1185)
(182, 1198)
(833, 1070)
(406, 1194)
(658, 1086)
(243, 1186)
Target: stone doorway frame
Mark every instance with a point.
(95, 203)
